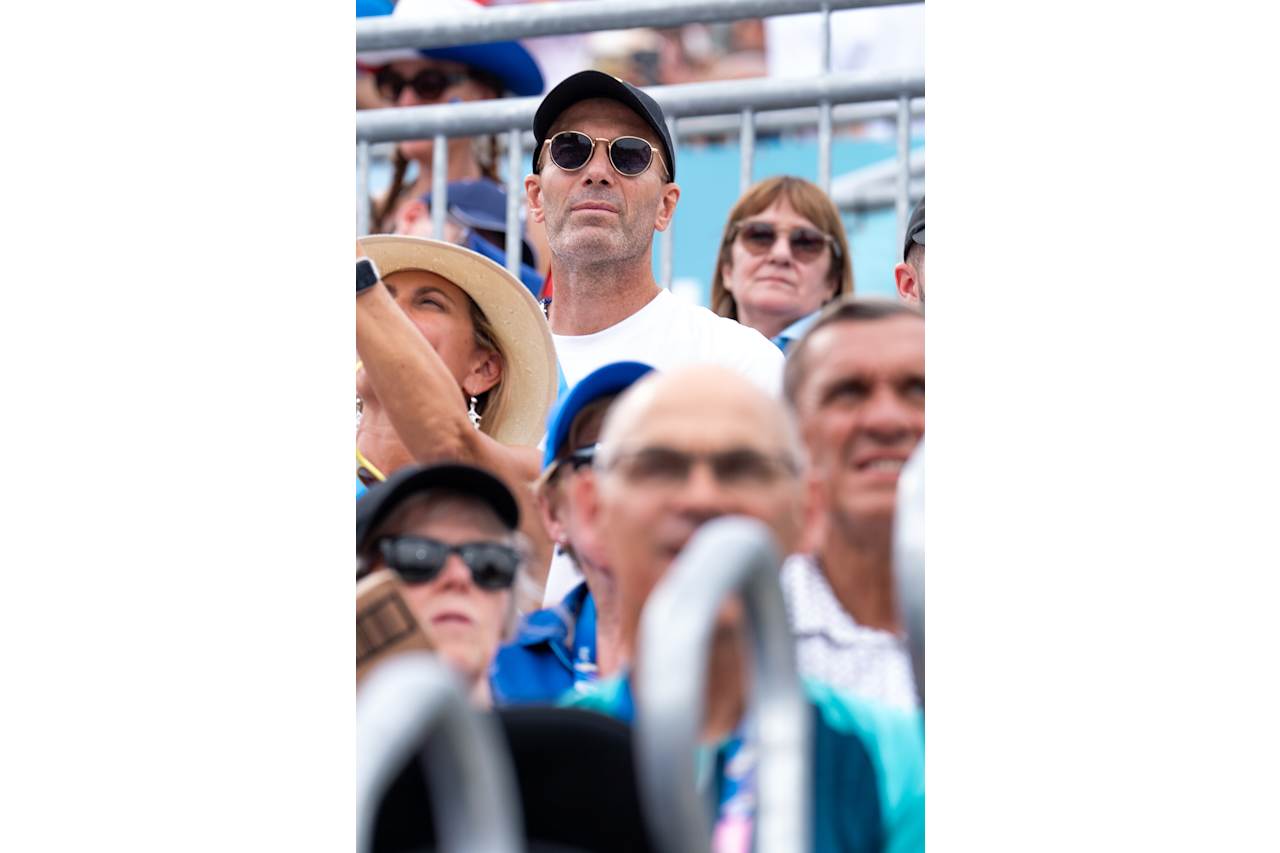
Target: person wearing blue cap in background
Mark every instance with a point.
(477, 219)
(473, 72)
(570, 645)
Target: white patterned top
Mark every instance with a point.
(832, 648)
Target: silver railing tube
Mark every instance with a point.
(908, 559)
(515, 188)
(584, 16)
(719, 97)
(402, 702)
(726, 555)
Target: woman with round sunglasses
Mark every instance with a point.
(457, 365)
(782, 257)
(450, 535)
(409, 78)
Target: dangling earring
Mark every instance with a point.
(473, 414)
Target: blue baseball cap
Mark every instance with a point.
(601, 382)
(509, 61)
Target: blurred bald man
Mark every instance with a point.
(677, 450)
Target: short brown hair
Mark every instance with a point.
(850, 309)
(810, 202)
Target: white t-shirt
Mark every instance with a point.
(667, 333)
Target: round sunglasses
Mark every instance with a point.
(428, 84)
(807, 244)
(419, 559)
(630, 155)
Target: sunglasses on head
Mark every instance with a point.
(418, 559)
(428, 84)
(630, 155)
(807, 244)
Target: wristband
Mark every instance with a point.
(366, 274)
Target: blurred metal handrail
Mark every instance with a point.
(725, 556)
(908, 559)
(399, 705)
(563, 18)
(684, 99)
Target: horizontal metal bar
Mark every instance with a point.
(548, 19)
(879, 197)
(686, 99)
(798, 118)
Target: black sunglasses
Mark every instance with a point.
(428, 84)
(807, 244)
(417, 559)
(630, 155)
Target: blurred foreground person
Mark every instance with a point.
(856, 384)
(677, 450)
(782, 257)
(449, 533)
(456, 366)
(572, 643)
(909, 275)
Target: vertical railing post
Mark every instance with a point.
(439, 183)
(902, 203)
(514, 185)
(824, 107)
(362, 188)
(747, 149)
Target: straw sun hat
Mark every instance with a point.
(517, 409)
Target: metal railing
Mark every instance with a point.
(585, 16)
(742, 101)
(399, 705)
(908, 560)
(725, 556)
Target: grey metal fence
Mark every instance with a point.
(750, 105)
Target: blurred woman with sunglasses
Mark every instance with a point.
(457, 365)
(409, 78)
(783, 256)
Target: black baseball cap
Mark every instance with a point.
(381, 500)
(915, 229)
(596, 84)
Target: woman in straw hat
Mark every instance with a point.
(457, 364)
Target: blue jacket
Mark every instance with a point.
(554, 649)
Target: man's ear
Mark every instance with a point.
(533, 192)
(905, 276)
(667, 206)
(586, 496)
(549, 500)
(486, 370)
(814, 515)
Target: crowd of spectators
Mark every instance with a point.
(528, 472)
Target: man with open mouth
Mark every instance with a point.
(856, 384)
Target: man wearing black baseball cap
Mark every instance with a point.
(603, 182)
(448, 532)
(909, 274)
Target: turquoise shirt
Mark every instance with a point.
(868, 767)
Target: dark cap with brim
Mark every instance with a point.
(383, 499)
(915, 229)
(596, 84)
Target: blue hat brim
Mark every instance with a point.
(601, 382)
(506, 60)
